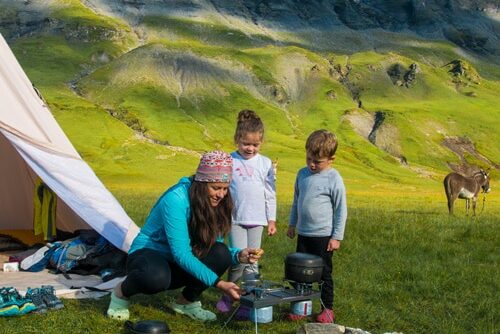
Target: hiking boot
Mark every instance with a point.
(8, 306)
(50, 298)
(25, 304)
(35, 296)
(225, 304)
(326, 316)
(194, 311)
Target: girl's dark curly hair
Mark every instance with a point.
(248, 122)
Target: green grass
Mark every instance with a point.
(404, 265)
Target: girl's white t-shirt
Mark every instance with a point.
(253, 190)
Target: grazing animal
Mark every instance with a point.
(458, 186)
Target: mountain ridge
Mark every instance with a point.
(175, 73)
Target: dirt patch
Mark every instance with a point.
(293, 72)
(387, 139)
(373, 128)
(462, 146)
(361, 121)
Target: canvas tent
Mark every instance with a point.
(33, 145)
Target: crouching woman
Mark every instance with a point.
(181, 244)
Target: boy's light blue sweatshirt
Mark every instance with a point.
(319, 206)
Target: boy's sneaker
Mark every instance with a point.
(35, 296)
(295, 317)
(49, 297)
(225, 304)
(326, 316)
(8, 306)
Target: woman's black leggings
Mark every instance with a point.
(149, 272)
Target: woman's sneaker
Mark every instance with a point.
(12, 303)
(225, 304)
(8, 307)
(25, 304)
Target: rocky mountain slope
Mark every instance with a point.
(409, 86)
(322, 25)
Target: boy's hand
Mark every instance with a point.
(333, 245)
(291, 232)
(271, 227)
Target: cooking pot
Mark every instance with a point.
(303, 267)
(147, 327)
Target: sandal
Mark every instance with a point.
(118, 308)
(194, 311)
(224, 304)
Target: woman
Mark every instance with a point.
(181, 244)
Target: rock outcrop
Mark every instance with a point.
(401, 76)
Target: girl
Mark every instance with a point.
(254, 195)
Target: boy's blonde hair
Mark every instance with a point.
(321, 144)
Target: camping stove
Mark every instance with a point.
(266, 293)
(304, 289)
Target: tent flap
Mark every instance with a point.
(32, 144)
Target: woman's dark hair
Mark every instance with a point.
(248, 122)
(207, 222)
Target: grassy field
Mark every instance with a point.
(404, 265)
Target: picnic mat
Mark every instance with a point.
(78, 286)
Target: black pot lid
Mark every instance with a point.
(148, 327)
(304, 259)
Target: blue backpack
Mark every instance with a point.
(68, 254)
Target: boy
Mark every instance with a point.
(319, 212)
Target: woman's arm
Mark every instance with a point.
(175, 212)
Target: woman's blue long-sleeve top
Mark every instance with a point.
(166, 231)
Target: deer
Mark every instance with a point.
(459, 186)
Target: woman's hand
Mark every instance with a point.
(229, 288)
(250, 255)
